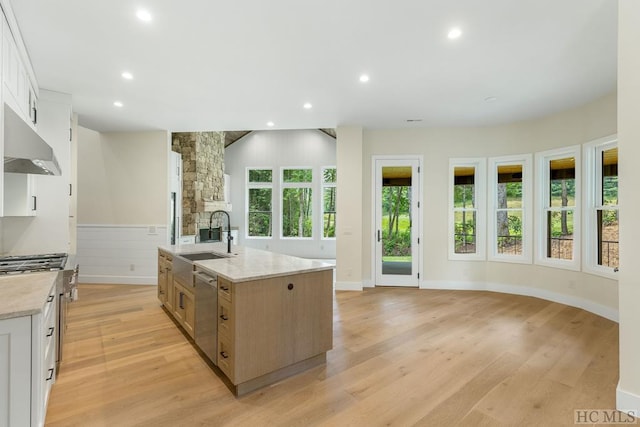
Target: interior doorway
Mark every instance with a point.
(397, 221)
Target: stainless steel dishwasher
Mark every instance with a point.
(206, 324)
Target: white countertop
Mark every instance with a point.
(25, 294)
(244, 264)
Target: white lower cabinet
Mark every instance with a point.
(27, 366)
(15, 372)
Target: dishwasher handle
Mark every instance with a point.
(211, 280)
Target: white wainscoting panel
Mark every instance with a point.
(122, 254)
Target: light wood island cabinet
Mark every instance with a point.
(274, 312)
(272, 328)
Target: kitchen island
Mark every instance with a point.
(273, 313)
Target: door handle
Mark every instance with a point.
(378, 235)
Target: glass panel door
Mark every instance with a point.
(397, 230)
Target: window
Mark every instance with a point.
(510, 200)
(259, 202)
(559, 200)
(297, 203)
(601, 204)
(466, 214)
(329, 180)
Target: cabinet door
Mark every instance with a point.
(162, 281)
(15, 371)
(170, 287)
(311, 302)
(261, 341)
(20, 196)
(184, 308)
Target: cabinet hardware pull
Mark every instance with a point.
(181, 302)
(290, 286)
(50, 334)
(50, 377)
(35, 205)
(224, 355)
(50, 298)
(224, 288)
(223, 317)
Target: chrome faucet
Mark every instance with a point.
(229, 236)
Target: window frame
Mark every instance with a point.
(323, 186)
(524, 160)
(480, 194)
(543, 160)
(309, 185)
(593, 203)
(257, 185)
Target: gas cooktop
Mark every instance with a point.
(16, 264)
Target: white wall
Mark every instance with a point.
(276, 149)
(629, 149)
(122, 205)
(122, 177)
(437, 145)
(48, 231)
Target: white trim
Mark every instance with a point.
(368, 283)
(570, 300)
(542, 160)
(118, 280)
(526, 161)
(141, 226)
(627, 402)
(480, 190)
(348, 286)
(591, 202)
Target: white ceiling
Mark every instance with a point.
(232, 65)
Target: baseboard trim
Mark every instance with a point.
(348, 286)
(573, 301)
(627, 402)
(118, 280)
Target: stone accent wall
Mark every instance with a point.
(202, 175)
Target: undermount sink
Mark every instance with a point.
(202, 256)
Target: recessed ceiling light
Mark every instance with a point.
(118, 104)
(307, 106)
(454, 33)
(127, 75)
(270, 124)
(490, 99)
(364, 78)
(143, 15)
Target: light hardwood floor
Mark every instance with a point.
(401, 357)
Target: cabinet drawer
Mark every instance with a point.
(225, 320)
(225, 356)
(224, 289)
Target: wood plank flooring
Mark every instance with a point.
(401, 357)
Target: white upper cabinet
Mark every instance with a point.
(18, 90)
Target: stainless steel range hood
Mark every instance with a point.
(24, 150)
